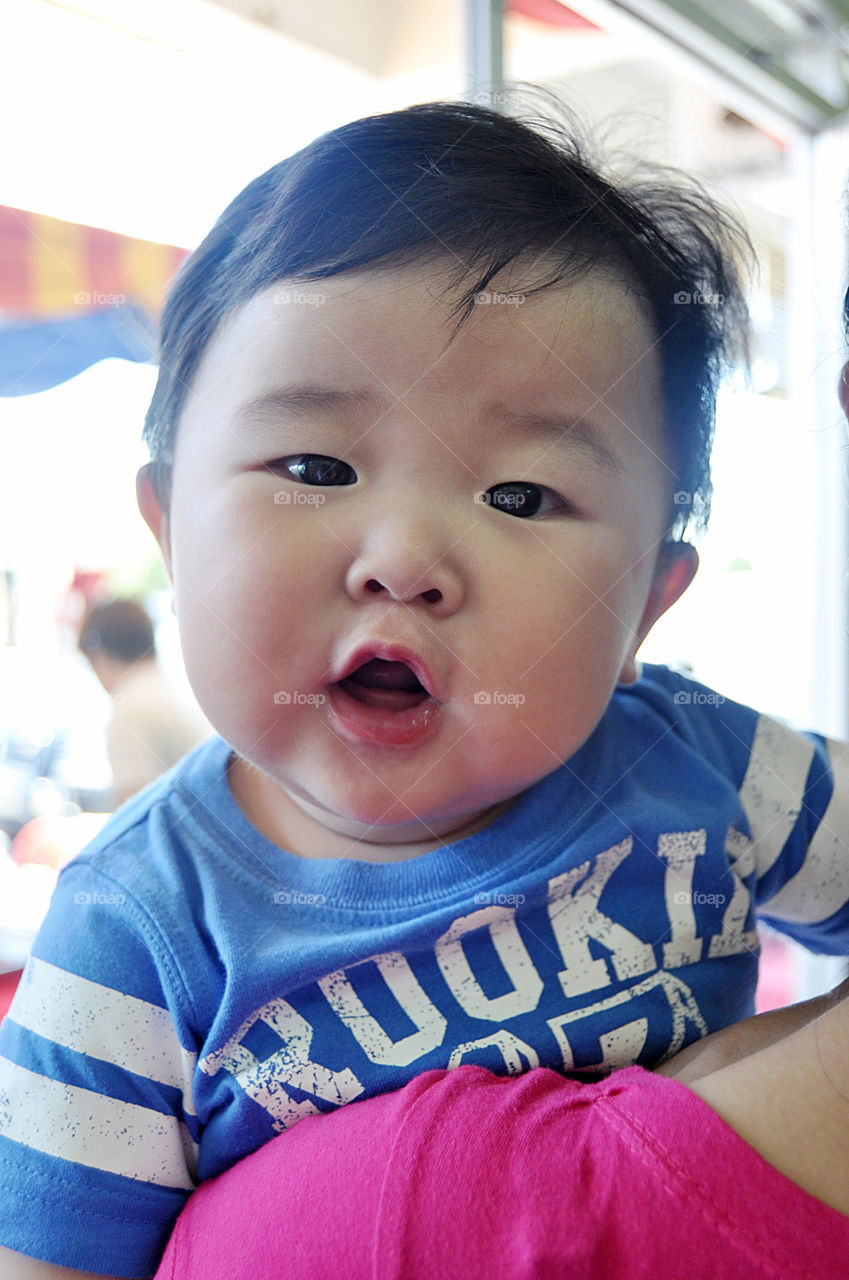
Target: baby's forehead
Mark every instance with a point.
(356, 355)
(423, 305)
(390, 330)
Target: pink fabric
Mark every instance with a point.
(464, 1174)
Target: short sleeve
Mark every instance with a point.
(796, 798)
(793, 793)
(97, 1125)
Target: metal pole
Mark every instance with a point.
(484, 48)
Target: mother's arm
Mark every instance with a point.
(787, 1095)
(16, 1266)
(738, 1041)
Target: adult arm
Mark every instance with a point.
(790, 1101)
(738, 1041)
(16, 1266)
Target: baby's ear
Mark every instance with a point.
(843, 390)
(676, 567)
(150, 500)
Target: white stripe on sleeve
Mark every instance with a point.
(92, 1129)
(104, 1024)
(773, 787)
(821, 885)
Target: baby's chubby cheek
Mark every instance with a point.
(529, 723)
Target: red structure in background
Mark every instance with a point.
(8, 986)
(549, 12)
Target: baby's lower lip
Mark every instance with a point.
(387, 718)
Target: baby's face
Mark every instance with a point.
(407, 636)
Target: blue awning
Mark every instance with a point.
(37, 355)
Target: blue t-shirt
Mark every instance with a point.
(195, 989)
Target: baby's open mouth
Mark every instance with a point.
(382, 702)
(389, 686)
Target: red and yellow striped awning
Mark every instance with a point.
(49, 267)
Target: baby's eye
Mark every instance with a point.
(316, 468)
(523, 500)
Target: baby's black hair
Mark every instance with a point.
(479, 190)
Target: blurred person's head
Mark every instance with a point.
(116, 635)
(843, 381)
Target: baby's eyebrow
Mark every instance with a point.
(305, 399)
(558, 432)
(562, 434)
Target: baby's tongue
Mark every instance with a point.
(378, 674)
(388, 685)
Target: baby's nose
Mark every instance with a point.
(433, 595)
(401, 564)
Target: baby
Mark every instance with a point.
(433, 417)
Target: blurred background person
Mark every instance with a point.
(152, 726)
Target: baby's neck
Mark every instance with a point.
(302, 829)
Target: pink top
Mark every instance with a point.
(464, 1174)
